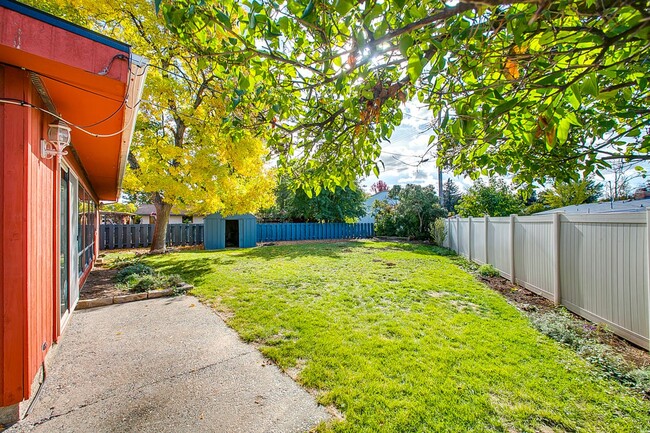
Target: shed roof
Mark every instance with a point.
(232, 217)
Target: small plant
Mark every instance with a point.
(561, 326)
(146, 282)
(488, 271)
(174, 280)
(641, 380)
(463, 263)
(438, 232)
(180, 289)
(134, 269)
(120, 262)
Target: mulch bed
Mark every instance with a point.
(100, 284)
(101, 280)
(529, 302)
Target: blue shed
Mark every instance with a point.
(235, 231)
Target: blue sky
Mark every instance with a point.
(403, 155)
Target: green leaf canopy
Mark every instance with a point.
(539, 89)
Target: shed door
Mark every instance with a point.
(232, 233)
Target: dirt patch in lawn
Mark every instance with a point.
(529, 302)
(100, 284)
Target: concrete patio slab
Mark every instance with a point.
(164, 365)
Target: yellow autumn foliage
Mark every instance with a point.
(182, 153)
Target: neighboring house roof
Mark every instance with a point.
(114, 212)
(149, 209)
(370, 203)
(383, 195)
(604, 207)
(94, 83)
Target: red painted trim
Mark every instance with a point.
(25, 258)
(55, 253)
(84, 276)
(2, 252)
(26, 135)
(13, 242)
(97, 220)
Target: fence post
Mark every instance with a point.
(102, 237)
(448, 225)
(448, 237)
(486, 222)
(557, 296)
(647, 231)
(111, 237)
(512, 247)
(457, 234)
(469, 238)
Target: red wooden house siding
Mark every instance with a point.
(41, 241)
(13, 245)
(38, 49)
(30, 238)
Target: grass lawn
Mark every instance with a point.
(400, 339)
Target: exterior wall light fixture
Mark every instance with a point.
(58, 138)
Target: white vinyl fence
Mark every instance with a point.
(596, 265)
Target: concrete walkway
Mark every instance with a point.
(164, 365)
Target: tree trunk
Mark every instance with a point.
(162, 220)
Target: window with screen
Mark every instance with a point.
(86, 233)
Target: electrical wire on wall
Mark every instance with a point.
(22, 103)
(82, 128)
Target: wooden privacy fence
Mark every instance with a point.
(596, 265)
(113, 236)
(274, 232)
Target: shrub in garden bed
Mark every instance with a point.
(138, 278)
(133, 269)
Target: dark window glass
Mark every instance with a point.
(86, 235)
